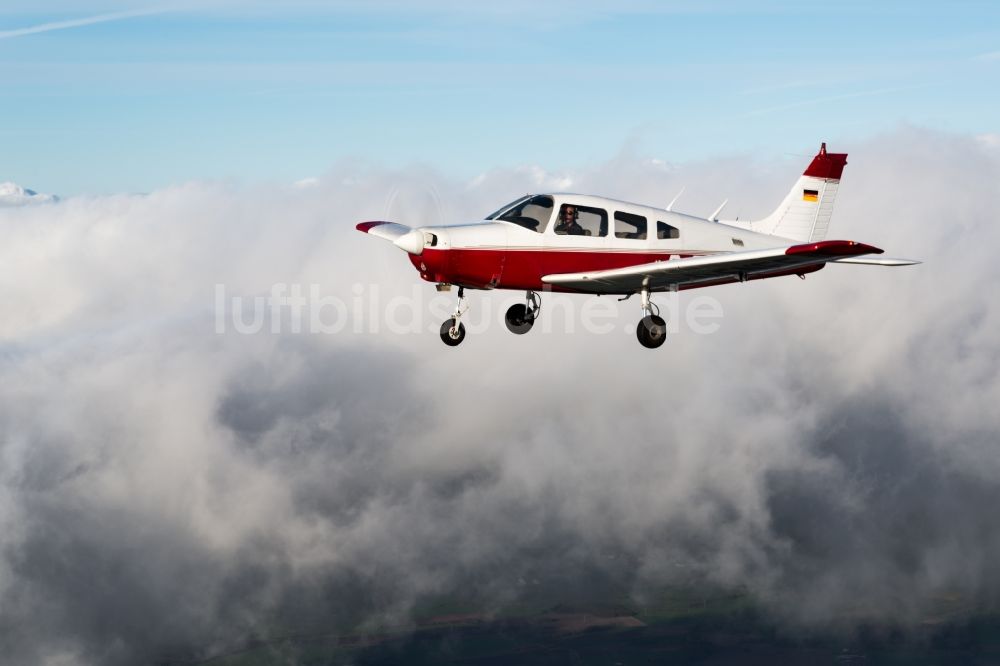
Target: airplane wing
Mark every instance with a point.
(713, 269)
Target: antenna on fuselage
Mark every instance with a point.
(670, 206)
(714, 217)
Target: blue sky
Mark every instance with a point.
(133, 96)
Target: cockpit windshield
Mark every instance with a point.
(495, 214)
(531, 212)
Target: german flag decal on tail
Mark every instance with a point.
(810, 195)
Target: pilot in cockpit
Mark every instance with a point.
(568, 224)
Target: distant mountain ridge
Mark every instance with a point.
(12, 194)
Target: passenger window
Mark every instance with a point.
(664, 230)
(628, 225)
(534, 213)
(581, 221)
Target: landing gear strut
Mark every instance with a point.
(652, 330)
(521, 317)
(452, 330)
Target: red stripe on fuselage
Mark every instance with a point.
(490, 268)
(523, 269)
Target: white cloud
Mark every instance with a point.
(991, 140)
(311, 181)
(12, 194)
(833, 447)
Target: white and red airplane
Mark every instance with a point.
(594, 245)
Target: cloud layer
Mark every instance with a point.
(165, 490)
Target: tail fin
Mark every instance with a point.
(805, 213)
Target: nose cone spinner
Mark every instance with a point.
(412, 242)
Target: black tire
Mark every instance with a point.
(446, 336)
(651, 331)
(518, 320)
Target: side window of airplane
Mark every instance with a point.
(631, 226)
(581, 221)
(533, 213)
(664, 230)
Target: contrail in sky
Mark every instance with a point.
(76, 23)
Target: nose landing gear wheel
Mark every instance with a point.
(651, 331)
(452, 332)
(518, 320)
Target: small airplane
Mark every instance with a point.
(594, 245)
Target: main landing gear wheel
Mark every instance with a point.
(651, 331)
(517, 319)
(452, 332)
(521, 317)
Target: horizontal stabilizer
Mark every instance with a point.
(877, 261)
